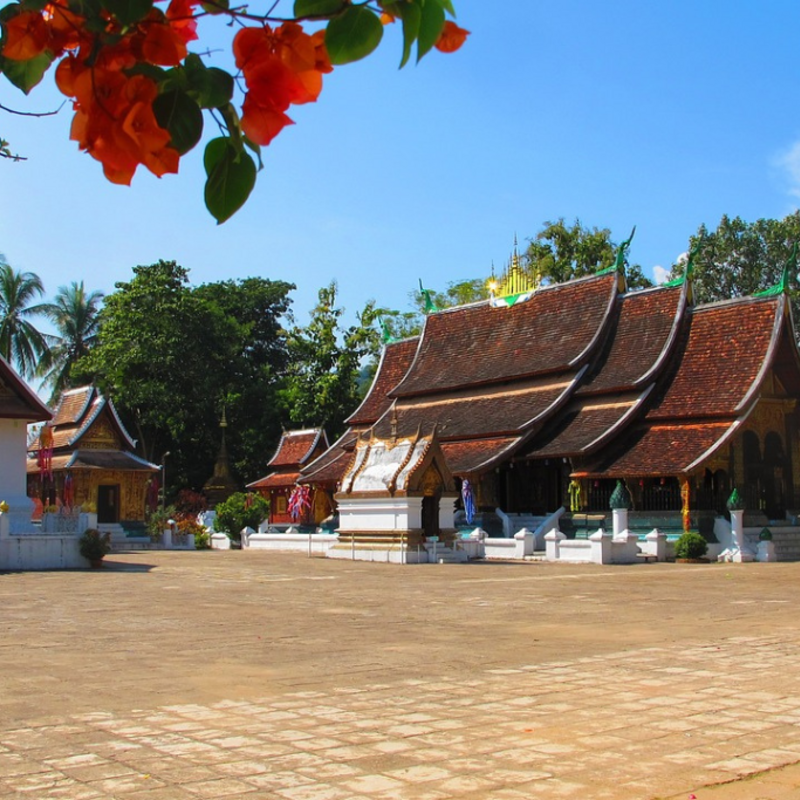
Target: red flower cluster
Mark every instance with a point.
(281, 67)
(114, 119)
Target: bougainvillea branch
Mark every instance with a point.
(139, 94)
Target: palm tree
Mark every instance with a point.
(20, 342)
(75, 315)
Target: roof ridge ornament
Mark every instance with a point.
(386, 334)
(619, 261)
(515, 286)
(688, 272)
(783, 286)
(426, 294)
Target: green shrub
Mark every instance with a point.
(94, 545)
(690, 545)
(240, 510)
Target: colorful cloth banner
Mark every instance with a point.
(469, 501)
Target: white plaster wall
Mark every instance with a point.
(13, 454)
(40, 551)
(300, 542)
(379, 514)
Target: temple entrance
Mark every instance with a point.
(430, 515)
(108, 503)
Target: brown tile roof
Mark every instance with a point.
(503, 410)
(480, 344)
(586, 425)
(330, 467)
(17, 399)
(657, 450)
(97, 459)
(275, 480)
(644, 330)
(726, 348)
(296, 447)
(477, 454)
(395, 361)
(72, 406)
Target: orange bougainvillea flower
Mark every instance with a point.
(262, 124)
(179, 13)
(67, 29)
(386, 18)
(27, 36)
(451, 38)
(114, 121)
(161, 43)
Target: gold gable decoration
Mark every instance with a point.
(100, 436)
(515, 285)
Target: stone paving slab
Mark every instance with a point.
(652, 707)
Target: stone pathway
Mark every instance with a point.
(640, 723)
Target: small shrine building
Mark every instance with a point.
(295, 450)
(86, 456)
(19, 407)
(546, 398)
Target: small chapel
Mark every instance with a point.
(86, 457)
(547, 397)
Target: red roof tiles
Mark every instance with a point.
(479, 344)
(296, 447)
(725, 352)
(395, 361)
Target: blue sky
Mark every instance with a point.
(663, 115)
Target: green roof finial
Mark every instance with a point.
(619, 264)
(789, 269)
(386, 334)
(689, 271)
(429, 304)
(619, 261)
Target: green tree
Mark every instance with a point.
(561, 252)
(323, 386)
(75, 315)
(740, 258)
(240, 510)
(162, 353)
(21, 343)
(253, 376)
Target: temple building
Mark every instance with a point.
(85, 457)
(295, 450)
(546, 398)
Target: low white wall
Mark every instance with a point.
(40, 551)
(300, 542)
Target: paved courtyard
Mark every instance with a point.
(255, 675)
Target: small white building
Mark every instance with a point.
(21, 546)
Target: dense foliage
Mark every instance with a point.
(690, 545)
(240, 510)
(742, 258)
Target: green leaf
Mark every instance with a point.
(317, 8)
(256, 148)
(216, 7)
(353, 35)
(411, 16)
(448, 7)
(211, 87)
(430, 27)
(128, 11)
(33, 5)
(181, 116)
(231, 177)
(26, 74)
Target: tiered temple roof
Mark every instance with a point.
(621, 384)
(88, 433)
(293, 453)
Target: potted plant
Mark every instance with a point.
(94, 545)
